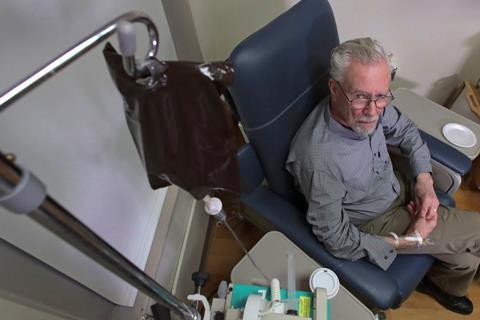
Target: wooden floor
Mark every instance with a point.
(222, 253)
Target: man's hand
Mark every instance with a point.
(423, 225)
(420, 225)
(426, 201)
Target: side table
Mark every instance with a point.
(270, 254)
(431, 117)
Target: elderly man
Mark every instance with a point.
(357, 206)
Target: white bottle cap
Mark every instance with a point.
(325, 278)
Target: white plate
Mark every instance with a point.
(459, 135)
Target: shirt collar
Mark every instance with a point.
(339, 129)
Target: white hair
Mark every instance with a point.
(365, 50)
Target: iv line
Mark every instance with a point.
(246, 252)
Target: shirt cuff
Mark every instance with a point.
(421, 167)
(379, 251)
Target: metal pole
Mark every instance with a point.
(71, 54)
(58, 220)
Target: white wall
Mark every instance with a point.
(220, 24)
(436, 43)
(71, 133)
(13, 311)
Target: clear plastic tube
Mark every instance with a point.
(292, 304)
(224, 221)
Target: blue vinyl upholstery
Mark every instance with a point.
(281, 73)
(447, 155)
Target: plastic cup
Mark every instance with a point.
(325, 278)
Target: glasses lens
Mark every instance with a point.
(362, 103)
(383, 102)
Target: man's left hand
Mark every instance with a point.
(426, 200)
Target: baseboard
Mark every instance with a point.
(177, 248)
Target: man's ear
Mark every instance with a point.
(333, 88)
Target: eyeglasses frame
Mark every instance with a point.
(370, 102)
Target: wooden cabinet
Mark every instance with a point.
(475, 173)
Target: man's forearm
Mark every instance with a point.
(409, 240)
(424, 177)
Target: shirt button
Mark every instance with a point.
(391, 251)
(386, 257)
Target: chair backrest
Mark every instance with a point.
(281, 73)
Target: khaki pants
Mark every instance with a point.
(455, 242)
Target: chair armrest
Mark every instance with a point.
(373, 286)
(446, 155)
(445, 198)
(448, 165)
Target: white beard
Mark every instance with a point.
(363, 130)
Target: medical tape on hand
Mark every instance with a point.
(415, 238)
(395, 238)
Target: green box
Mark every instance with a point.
(242, 291)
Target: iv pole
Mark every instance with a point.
(22, 192)
(79, 49)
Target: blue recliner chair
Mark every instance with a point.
(281, 73)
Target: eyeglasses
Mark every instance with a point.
(360, 102)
